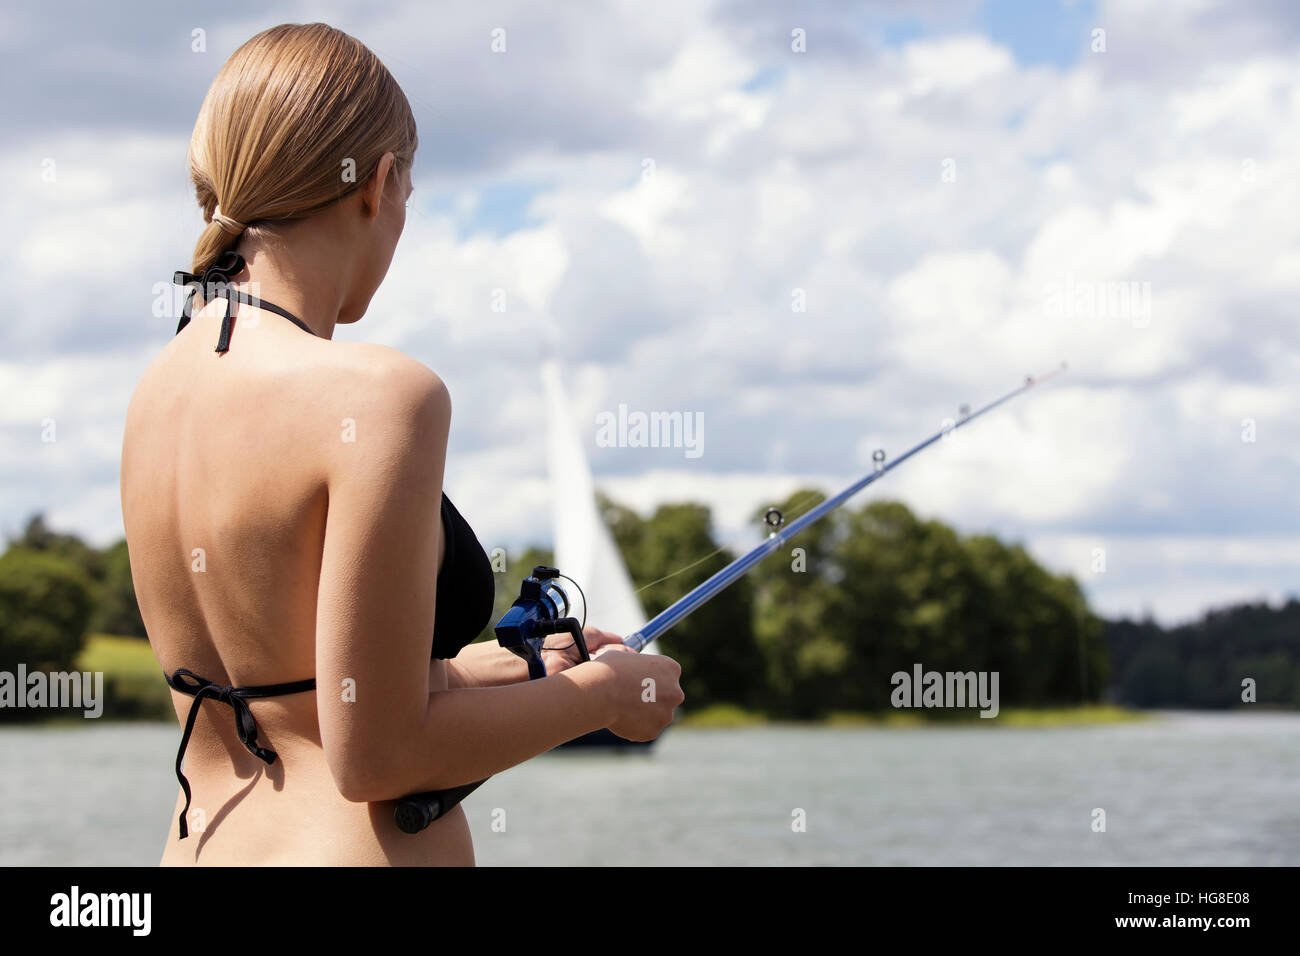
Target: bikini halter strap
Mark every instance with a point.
(216, 282)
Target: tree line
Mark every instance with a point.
(1233, 655)
(55, 590)
(818, 627)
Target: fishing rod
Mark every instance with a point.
(542, 607)
(773, 518)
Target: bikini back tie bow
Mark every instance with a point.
(187, 682)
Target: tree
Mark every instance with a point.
(804, 653)
(1036, 628)
(45, 605)
(715, 645)
(117, 611)
(882, 591)
(107, 572)
(1203, 664)
(37, 536)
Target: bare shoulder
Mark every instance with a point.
(393, 373)
(385, 399)
(372, 379)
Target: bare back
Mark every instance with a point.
(225, 495)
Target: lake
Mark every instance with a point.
(1183, 789)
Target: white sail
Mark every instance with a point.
(584, 547)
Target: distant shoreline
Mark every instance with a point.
(724, 716)
(136, 692)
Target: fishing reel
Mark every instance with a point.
(542, 609)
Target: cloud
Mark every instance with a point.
(825, 253)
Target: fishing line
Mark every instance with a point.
(742, 565)
(733, 546)
(793, 511)
(583, 626)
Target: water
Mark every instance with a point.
(1183, 790)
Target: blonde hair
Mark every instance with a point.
(298, 118)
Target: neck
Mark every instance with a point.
(301, 271)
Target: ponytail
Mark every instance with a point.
(296, 119)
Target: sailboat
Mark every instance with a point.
(585, 549)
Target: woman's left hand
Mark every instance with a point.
(558, 660)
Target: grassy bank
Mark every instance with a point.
(728, 715)
(134, 687)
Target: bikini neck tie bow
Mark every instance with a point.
(213, 282)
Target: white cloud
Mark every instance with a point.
(1165, 162)
(645, 209)
(953, 64)
(700, 80)
(1193, 571)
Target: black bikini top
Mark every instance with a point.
(465, 586)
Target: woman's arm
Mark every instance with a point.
(488, 664)
(384, 732)
(485, 664)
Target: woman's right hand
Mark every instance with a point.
(643, 691)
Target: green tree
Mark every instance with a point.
(882, 590)
(116, 610)
(107, 572)
(667, 556)
(37, 536)
(45, 605)
(1203, 663)
(804, 655)
(902, 600)
(1154, 677)
(1035, 628)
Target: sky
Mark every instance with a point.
(818, 228)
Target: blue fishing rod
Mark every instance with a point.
(542, 608)
(776, 538)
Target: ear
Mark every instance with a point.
(373, 190)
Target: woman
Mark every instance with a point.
(295, 559)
